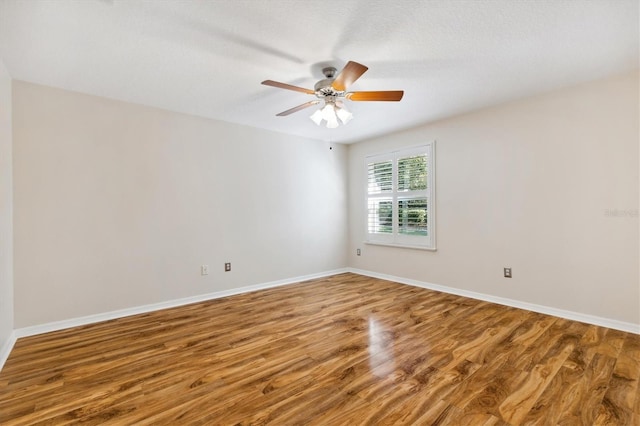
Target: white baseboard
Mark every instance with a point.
(5, 350)
(90, 319)
(575, 316)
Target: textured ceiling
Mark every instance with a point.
(208, 58)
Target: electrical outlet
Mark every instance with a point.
(358, 252)
(507, 272)
(204, 270)
(227, 267)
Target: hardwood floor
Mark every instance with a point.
(343, 350)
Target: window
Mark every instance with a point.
(400, 198)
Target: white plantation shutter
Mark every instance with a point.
(379, 201)
(400, 198)
(380, 176)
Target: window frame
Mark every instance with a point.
(396, 239)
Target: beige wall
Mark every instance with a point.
(547, 186)
(6, 210)
(117, 205)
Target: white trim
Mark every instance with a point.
(90, 319)
(74, 322)
(407, 246)
(575, 316)
(432, 197)
(6, 348)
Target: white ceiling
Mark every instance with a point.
(208, 58)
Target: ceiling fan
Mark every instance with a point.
(333, 90)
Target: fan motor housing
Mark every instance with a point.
(324, 88)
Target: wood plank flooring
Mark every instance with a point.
(344, 350)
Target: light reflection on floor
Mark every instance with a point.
(381, 356)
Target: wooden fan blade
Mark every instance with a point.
(388, 95)
(296, 109)
(350, 73)
(288, 86)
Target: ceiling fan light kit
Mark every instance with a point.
(344, 115)
(331, 113)
(332, 90)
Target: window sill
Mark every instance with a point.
(408, 246)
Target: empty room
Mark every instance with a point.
(337, 212)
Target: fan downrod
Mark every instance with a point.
(329, 72)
